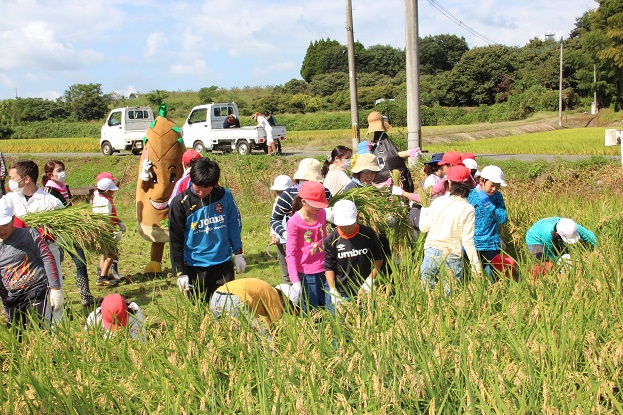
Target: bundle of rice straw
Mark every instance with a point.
(382, 212)
(76, 226)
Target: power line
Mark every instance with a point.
(459, 22)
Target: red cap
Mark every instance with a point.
(114, 312)
(314, 194)
(190, 155)
(468, 155)
(458, 173)
(105, 175)
(506, 265)
(451, 157)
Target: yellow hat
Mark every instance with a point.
(376, 122)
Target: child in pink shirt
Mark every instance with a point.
(306, 231)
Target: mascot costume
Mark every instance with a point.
(160, 168)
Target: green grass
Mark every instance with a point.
(550, 345)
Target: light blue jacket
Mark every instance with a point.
(488, 220)
(541, 234)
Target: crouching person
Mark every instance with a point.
(116, 314)
(31, 283)
(353, 255)
(249, 298)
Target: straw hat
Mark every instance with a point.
(365, 162)
(309, 169)
(376, 122)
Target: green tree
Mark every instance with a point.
(86, 102)
(324, 56)
(440, 53)
(156, 97)
(208, 94)
(383, 59)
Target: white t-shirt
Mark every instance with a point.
(262, 122)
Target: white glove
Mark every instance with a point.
(397, 191)
(295, 292)
(336, 298)
(57, 301)
(183, 283)
(144, 174)
(329, 212)
(367, 285)
(122, 226)
(117, 236)
(134, 307)
(241, 264)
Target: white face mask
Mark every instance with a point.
(61, 176)
(14, 186)
(346, 164)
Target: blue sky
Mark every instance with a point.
(139, 45)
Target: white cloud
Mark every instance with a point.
(155, 41)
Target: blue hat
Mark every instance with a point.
(363, 147)
(436, 158)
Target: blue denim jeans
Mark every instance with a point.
(434, 259)
(315, 292)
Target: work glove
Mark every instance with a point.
(183, 283)
(415, 152)
(329, 212)
(336, 298)
(133, 307)
(122, 226)
(117, 236)
(484, 198)
(57, 301)
(144, 174)
(367, 285)
(397, 191)
(295, 292)
(241, 264)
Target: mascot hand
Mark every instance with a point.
(144, 174)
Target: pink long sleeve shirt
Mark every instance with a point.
(304, 245)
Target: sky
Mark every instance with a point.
(143, 45)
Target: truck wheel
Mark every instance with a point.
(137, 151)
(243, 148)
(199, 147)
(107, 148)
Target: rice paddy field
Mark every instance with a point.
(552, 344)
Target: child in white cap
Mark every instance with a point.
(280, 184)
(353, 255)
(547, 239)
(103, 203)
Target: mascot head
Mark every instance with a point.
(163, 146)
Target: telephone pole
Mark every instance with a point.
(352, 75)
(560, 89)
(414, 126)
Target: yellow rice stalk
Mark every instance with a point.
(382, 212)
(76, 226)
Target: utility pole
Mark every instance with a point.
(352, 75)
(594, 109)
(414, 126)
(560, 89)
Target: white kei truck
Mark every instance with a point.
(124, 129)
(203, 131)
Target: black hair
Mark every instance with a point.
(460, 189)
(431, 168)
(266, 113)
(49, 168)
(338, 152)
(26, 168)
(297, 204)
(205, 172)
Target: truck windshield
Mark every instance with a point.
(199, 115)
(115, 119)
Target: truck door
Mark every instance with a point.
(197, 126)
(113, 128)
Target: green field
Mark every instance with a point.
(547, 345)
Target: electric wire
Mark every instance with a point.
(459, 22)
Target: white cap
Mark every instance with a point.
(106, 184)
(470, 164)
(281, 183)
(568, 230)
(344, 213)
(6, 213)
(493, 173)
